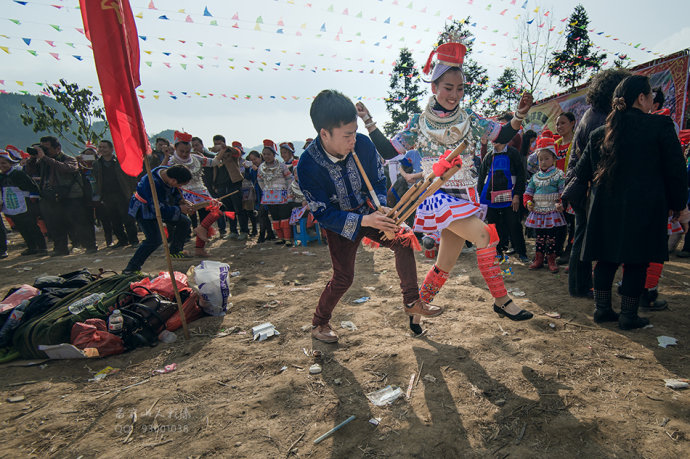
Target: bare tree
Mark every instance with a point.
(537, 37)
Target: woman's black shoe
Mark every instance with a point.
(522, 315)
(416, 328)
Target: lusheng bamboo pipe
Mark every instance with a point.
(411, 196)
(420, 191)
(166, 249)
(372, 193)
(202, 205)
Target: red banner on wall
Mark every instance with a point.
(670, 73)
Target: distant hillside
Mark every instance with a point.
(13, 132)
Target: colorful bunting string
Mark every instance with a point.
(206, 14)
(156, 94)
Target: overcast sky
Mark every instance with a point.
(349, 46)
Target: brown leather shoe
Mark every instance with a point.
(324, 333)
(422, 308)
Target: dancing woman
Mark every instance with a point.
(454, 210)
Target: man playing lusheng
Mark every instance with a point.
(173, 209)
(336, 193)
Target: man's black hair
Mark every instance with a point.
(198, 140)
(52, 140)
(659, 97)
(110, 144)
(219, 137)
(331, 109)
(505, 117)
(180, 173)
(161, 139)
(601, 87)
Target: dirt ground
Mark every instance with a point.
(489, 387)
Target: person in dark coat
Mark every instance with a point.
(599, 95)
(637, 171)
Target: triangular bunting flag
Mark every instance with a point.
(206, 12)
(27, 41)
(140, 15)
(152, 6)
(55, 55)
(79, 58)
(32, 52)
(188, 19)
(56, 27)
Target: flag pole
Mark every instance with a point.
(166, 248)
(110, 28)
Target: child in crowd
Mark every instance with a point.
(265, 230)
(173, 208)
(543, 200)
(501, 184)
(274, 179)
(249, 194)
(195, 192)
(20, 203)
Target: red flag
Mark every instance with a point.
(109, 25)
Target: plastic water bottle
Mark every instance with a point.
(81, 304)
(115, 322)
(166, 336)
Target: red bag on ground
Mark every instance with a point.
(161, 285)
(192, 312)
(94, 334)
